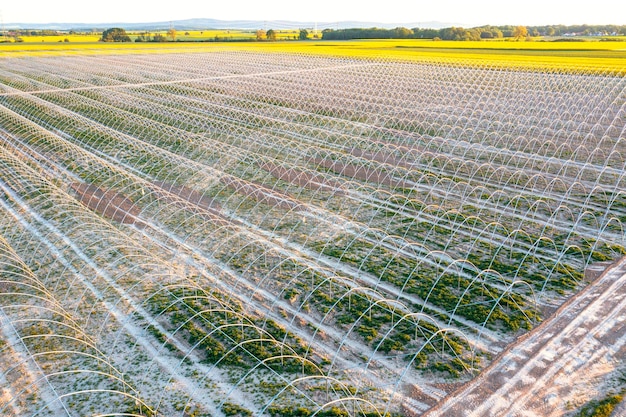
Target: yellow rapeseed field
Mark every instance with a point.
(62, 38)
(609, 57)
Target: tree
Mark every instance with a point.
(115, 35)
(456, 34)
(304, 34)
(425, 33)
(143, 37)
(172, 34)
(260, 35)
(271, 35)
(490, 32)
(472, 35)
(520, 32)
(402, 33)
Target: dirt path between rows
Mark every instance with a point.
(567, 360)
(109, 203)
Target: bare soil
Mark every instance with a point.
(198, 202)
(108, 203)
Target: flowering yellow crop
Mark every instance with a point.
(604, 57)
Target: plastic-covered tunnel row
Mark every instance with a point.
(228, 234)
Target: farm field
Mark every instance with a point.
(209, 35)
(591, 56)
(237, 230)
(575, 355)
(181, 35)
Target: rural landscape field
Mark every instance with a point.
(302, 228)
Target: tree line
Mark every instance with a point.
(450, 33)
(120, 35)
(476, 33)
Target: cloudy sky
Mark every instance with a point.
(467, 12)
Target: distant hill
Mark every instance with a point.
(200, 24)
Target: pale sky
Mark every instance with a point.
(467, 12)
